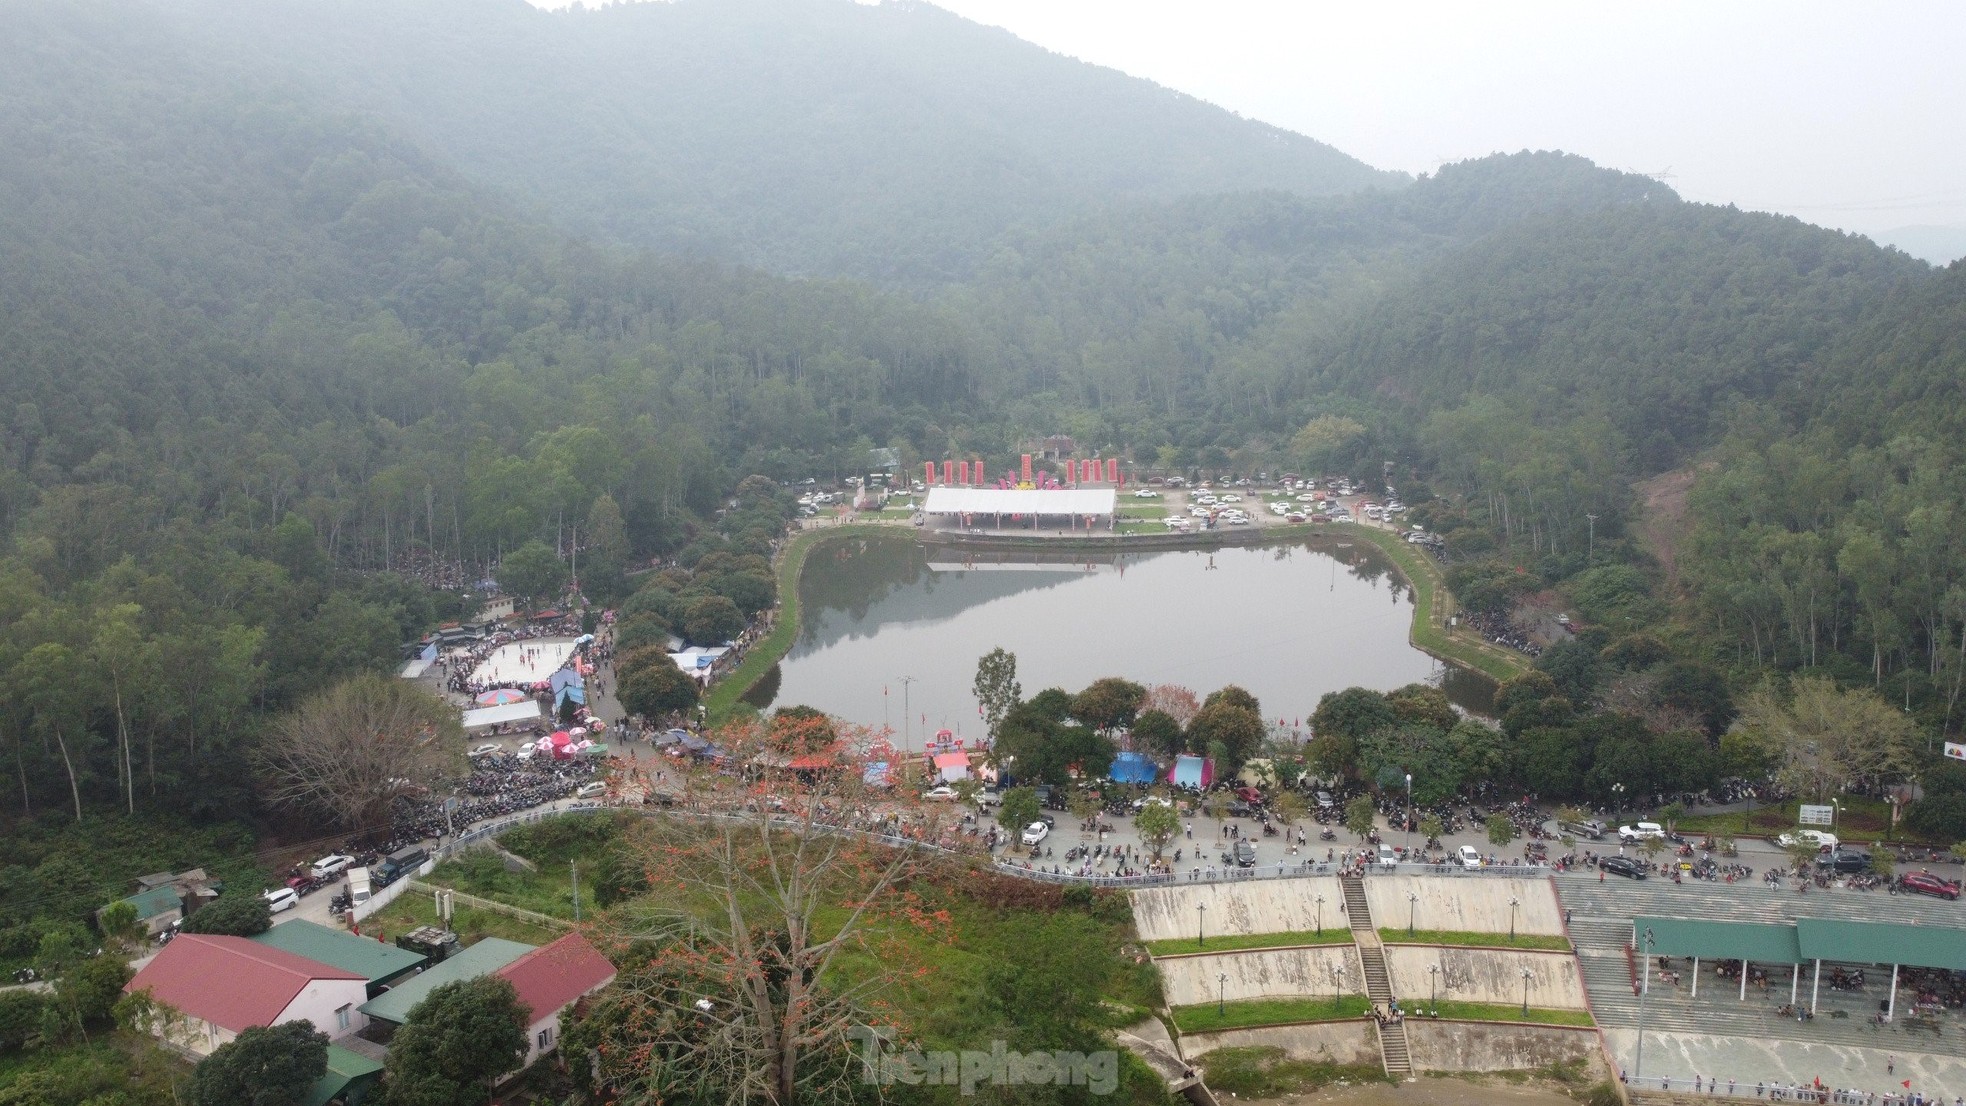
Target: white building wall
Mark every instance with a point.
(318, 1002)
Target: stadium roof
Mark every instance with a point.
(1020, 501)
(1883, 943)
(1807, 939)
(1770, 943)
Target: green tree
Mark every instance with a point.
(91, 988)
(1108, 704)
(456, 1043)
(237, 913)
(531, 573)
(23, 1014)
(1235, 728)
(649, 684)
(1359, 816)
(1828, 740)
(996, 687)
(1326, 441)
(1157, 825)
(1500, 830)
(1018, 809)
(262, 1066)
(1158, 733)
(712, 620)
(1431, 827)
(1234, 696)
(1288, 806)
(1671, 813)
(119, 923)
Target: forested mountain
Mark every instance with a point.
(304, 299)
(890, 142)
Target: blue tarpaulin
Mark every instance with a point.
(565, 678)
(1133, 768)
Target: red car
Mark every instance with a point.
(1249, 795)
(1925, 883)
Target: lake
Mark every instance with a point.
(892, 630)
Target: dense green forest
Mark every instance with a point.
(308, 307)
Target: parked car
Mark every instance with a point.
(1808, 836)
(1470, 856)
(1845, 861)
(1622, 866)
(943, 794)
(1641, 831)
(590, 790)
(330, 866)
(1249, 794)
(1325, 801)
(988, 798)
(1245, 855)
(1388, 856)
(1589, 827)
(1925, 883)
(1143, 493)
(485, 750)
(284, 898)
(1035, 832)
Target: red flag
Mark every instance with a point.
(1907, 1084)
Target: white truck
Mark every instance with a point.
(358, 886)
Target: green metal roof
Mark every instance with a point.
(483, 958)
(365, 956)
(1918, 946)
(157, 900)
(345, 1069)
(1768, 943)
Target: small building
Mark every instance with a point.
(158, 909)
(349, 1079)
(1058, 447)
(211, 988)
(552, 978)
(382, 966)
(484, 958)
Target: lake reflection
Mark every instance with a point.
(1289, 623)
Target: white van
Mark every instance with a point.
(285, 898)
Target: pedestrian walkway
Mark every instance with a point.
(1378, 982)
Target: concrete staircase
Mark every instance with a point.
(1378, 983)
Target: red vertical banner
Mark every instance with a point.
(1113, 470)
(948, 472)
(1027, 468)
(928, 472)
(982, 477)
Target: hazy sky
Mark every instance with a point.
(1849, 115)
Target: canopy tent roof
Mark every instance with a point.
(1019, 501)
(1882, 943)
(1770, 943)
(1807, 939)
(1133, 768)
(527, 711)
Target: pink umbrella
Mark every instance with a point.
(498, 697)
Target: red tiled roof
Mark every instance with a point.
(229, 981)
(550, 977)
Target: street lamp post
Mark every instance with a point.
(1513, 903)
(1617, 798)
(1222, 996)
(1412, 910)
(1433, 989)
(1409, 814)
(1201, 909)
(1338, 985)
(1526, 974)
(907, 709)
(1320, 915)
(1645, 973)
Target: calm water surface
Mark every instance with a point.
(1288, 622)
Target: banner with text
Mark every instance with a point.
(1816, 815)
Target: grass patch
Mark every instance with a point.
(1230, 942)
(1862, 818)
(1265, 1073)
(1129, 511)
(1396, 935)
(1432, 603)
(723, 699)
(471, 924)
(1503, 1012)
(1210, 1017)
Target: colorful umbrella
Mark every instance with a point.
(501, 696)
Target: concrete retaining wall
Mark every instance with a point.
(1483, 975)
(1260, 906)
(1471, 904)
(1281, 973)
(1347, 1042)
(1471, 1046)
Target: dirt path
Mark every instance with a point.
(1662, 523)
